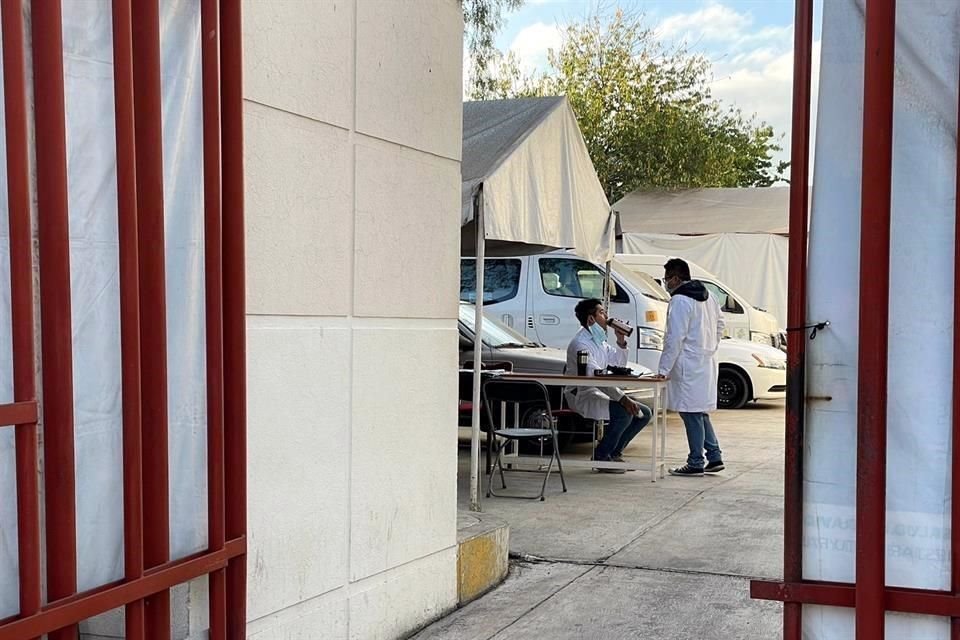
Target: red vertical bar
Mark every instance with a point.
(874, 320)
(57, 352)
(21, 296)
(213, 266)
(797, 312)
(153, 312)
(234, 309)
(955, 454)
(129, 309)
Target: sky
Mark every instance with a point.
(749, 42)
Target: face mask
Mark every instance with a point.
(668, 287)
(598, 334)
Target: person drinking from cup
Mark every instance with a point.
(625, 416)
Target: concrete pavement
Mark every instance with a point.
(621, 557)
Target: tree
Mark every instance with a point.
(482, 20)
(646, 111)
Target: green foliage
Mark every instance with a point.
(646, 111)
(482, 19)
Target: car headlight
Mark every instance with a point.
(762, 338)
(770, 363)
(650, 339)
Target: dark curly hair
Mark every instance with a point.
(586, 308)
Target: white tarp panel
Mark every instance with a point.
(539, 184)
(9, 588)
(95, 295)
(921, 311)
(700, 211)
(753, 264)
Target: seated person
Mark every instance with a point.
(625, 417)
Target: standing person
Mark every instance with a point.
(625, 417)
(694, 330)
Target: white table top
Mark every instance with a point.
(622, 382)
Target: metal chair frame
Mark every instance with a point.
(521, 392)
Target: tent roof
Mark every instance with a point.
(491, 130)
(540, 189)
(703, 211)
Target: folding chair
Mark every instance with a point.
(527, 395)
(466, 399)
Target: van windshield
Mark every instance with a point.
(495, 334)
(644, 283)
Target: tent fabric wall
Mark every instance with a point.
(91, 176)
(753, 264)
(701, 211)
(539, 184)
(918, 500)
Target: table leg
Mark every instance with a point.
(653, 439)
(663, 434)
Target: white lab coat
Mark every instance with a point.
(593, 403)
(689, 358)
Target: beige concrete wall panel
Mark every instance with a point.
(298, 56)
(299, 209)
(297, 472)
(404, 447)
(409, 73)
(393, 605)
(407, 234)
(324, 617)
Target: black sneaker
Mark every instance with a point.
(714, 467)
(687, 470)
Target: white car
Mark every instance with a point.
(750, 371)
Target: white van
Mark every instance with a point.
(744, 321)
(536, 295)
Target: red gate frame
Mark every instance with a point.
(869, 595)
(148, 572)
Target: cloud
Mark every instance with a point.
(762, 84)
(532, 43)
(714, 22)
(752, 67)
(752, 64)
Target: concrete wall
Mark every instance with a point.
(353, 170)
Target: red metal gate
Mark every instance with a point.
(148, 571)
(869, 595)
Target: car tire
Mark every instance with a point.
(732, 390)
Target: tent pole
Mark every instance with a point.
(477, 356)
(609, 265)
(607, 287)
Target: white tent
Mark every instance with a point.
(540, 190)
(739, 234)
(528, 186)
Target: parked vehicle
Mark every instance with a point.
(744, 321)
(750, 371)
(505, 348)
(535, 295)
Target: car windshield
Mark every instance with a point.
(495, 334)
(644, 282)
